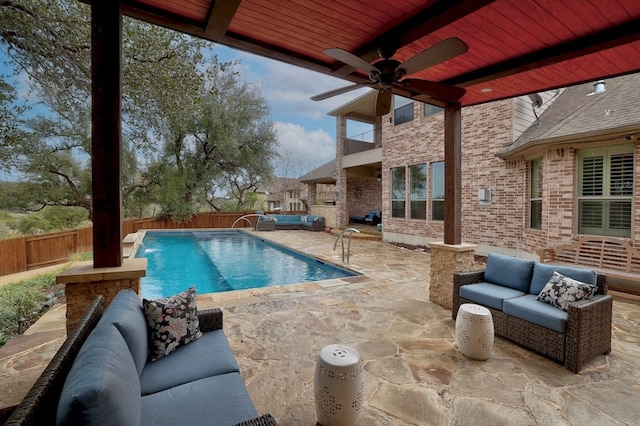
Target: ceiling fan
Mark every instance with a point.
(388, 74)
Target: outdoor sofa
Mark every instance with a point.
(101, 375)
(372, 218)
(509, 287)
(290, 221)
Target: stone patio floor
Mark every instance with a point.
(413, 373)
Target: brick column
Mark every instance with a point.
(445, 260)
(341, 174)
(83, 283)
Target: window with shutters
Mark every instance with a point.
(605, 190)
(535, 194)
(398, 195)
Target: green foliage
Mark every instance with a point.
(52, 219)
(201, 132)
(225, 144)
(80, 257)
(22, 300)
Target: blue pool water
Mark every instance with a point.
(217, 261)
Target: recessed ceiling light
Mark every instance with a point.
(486, 90)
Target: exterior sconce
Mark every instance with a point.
(484, 195)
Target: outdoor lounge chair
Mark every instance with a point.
(372, 218)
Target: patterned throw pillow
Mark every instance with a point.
(561, 290)
(172, 321)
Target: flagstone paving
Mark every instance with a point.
(413, 372)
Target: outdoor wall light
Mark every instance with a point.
(484, 195)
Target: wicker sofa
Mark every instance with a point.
(509, 287)
(101, 375)
(290, 221)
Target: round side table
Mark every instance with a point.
(338, 386)
(474, 331)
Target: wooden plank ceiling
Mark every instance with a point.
(516, 47)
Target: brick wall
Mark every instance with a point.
(503, 223)
(363, 196)
(485, 129)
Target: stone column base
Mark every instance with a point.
(445, 260)
(83, 283)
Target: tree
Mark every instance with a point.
(289, 166)
(226, 142)
(9, 118)
(49, 40)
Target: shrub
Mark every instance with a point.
(23, 299)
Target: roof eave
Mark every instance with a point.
(532, 149)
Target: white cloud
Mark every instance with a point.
(314, 147)
(289, 88)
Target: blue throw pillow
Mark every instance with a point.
(509, 271)
(542, 273)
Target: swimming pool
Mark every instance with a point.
(217, 261)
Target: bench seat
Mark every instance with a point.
(617, 258)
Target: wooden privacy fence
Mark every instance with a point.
(25, 253)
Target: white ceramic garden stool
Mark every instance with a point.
(474, 331)
(338, 386)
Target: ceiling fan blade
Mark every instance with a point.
(383, 102)
(349, 59)
(338, 91)
(439, 52)
(442, 91)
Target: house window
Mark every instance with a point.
(428, 109)
(437, 190)
(418, 194)
(535, 191)
(398, 197)
(605, 191)
(403, 110)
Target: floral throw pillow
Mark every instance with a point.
(173, 321)
(561, 290)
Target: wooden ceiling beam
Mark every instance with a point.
(429, 20)
(606, 39)
(236, 41)
(220, 17)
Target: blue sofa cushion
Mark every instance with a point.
(287, 218)
(102, 387)
(210, 355)
(488, 294)
(216, 400)
(509, 271)
(530, 309)
(542, 273)
(126, 314)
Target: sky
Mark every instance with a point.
(302, 126)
